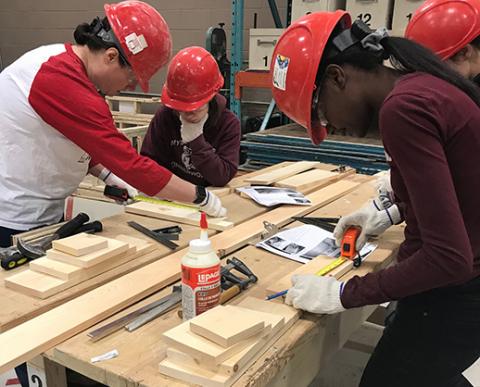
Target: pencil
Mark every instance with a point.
(276, 295)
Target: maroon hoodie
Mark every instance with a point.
(430, 132)
(210, 159)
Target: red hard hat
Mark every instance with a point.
(294, 66)
(193, 79)
(143, 36)
(445, 26)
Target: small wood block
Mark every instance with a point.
(283, 173)
(311, 267)
(204, 350)
(181, 368)
(176, 214)
(80, 244)
(36, 284)
(114, 249)
(227, 325)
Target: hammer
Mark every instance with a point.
(38, 249)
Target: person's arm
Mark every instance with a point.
(413, 138)
(218, 166)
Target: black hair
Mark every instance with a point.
(476, 42)
(406, 57)
(87, 34)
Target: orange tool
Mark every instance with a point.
(348, 246)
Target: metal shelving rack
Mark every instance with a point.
(237, 51)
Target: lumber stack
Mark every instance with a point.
(73, 260)
(302, 176)
(217, 347)
(290, 142)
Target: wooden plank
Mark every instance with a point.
(176, 214)
(283, 173)
(105, 300)
(220, 191)
(239, 181)
(312, 180)
(80, 244)
(114, 249)
(227, 325)
(202, 349)
(311, 267)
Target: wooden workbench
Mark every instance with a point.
(295, 359)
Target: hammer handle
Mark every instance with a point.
(72, 225)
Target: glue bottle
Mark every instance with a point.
(200, 275)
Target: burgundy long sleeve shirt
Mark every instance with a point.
(431, 134)
(210, 159)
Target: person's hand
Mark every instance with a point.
(212, 206)
(315, 294)
(114, 180)
(189, 131)
(370, 219)
(386, 197)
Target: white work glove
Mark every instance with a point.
(384, 189)
(212, 206)
(373, 222)
(315, 294)
(110, 179)
(190, 131)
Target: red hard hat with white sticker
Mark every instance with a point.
(143, 35)
(294, 66)
(445, 26)
(193, 79)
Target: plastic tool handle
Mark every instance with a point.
(91, 227)
(116, 193)
(72, 225)
(242, 268)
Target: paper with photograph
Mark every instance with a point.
(272, 196)
(306, 242)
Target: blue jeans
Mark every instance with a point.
(432, 339)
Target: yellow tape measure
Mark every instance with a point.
(163, 202)
(327, 269)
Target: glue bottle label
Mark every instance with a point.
(200, 290)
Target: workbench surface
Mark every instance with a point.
(294, 360)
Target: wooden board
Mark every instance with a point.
(80, 244)
(283, 173)
(176, 214)
(220, 191)
(227, 325)
(114, 249)
(315, 179)
(239, 181)
(311, 267)
(195, 374)
(202, 349)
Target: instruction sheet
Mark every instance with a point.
(272, 196)
(306, 242)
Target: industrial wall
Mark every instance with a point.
(26, 24)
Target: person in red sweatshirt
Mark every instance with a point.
(327, 71)
(193, 134)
